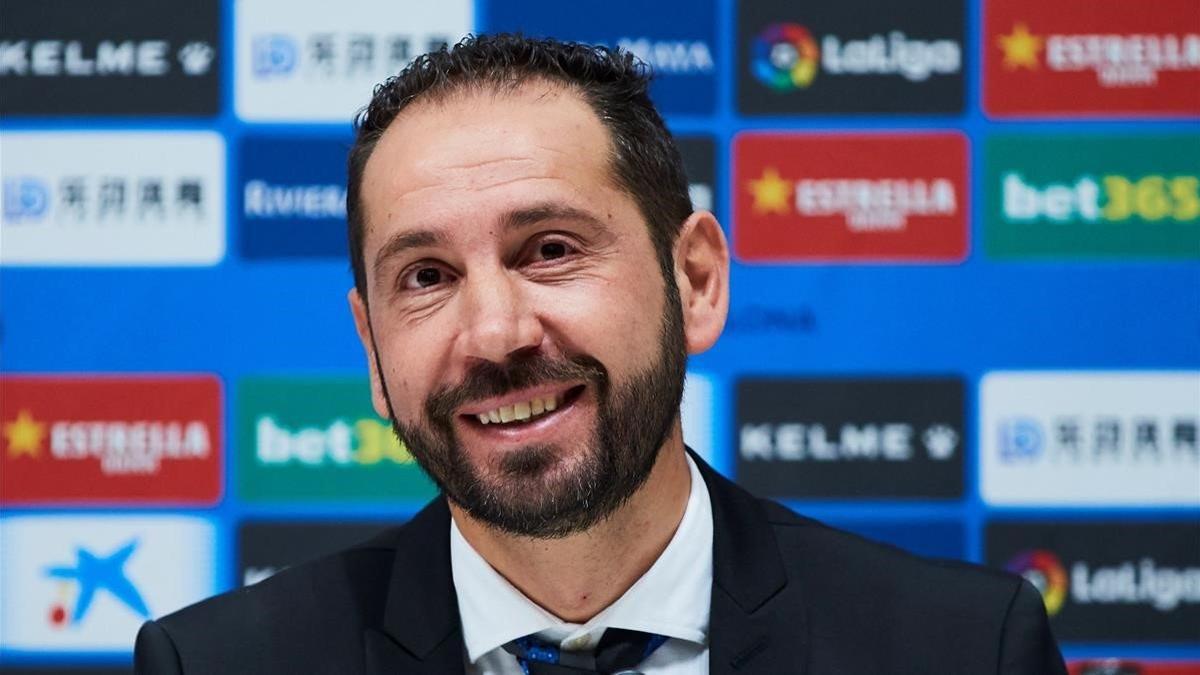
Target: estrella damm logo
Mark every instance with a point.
(320, 438)
(1131, 196)
(111, 439)
(1076, 57)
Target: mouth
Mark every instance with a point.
(522, 408)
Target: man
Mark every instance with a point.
(529, 279)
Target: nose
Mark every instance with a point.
(499, 320)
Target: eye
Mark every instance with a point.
(425, 275)
(549, 250)
(428, 276)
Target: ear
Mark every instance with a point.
(362, 324)
(702, 274)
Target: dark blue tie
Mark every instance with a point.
(619, 651)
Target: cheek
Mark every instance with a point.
(409, 366)
(614, 318)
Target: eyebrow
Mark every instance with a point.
(511, 221)
(539, 213)
(405, 240)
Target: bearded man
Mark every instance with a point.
(530, 278)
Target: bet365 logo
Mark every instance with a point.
(366, 442)
(1108, 199)
(1092, 196)
(318, 438)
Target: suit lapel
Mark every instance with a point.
(420, 631)
(757, 622)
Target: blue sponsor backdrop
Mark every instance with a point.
(276, 303)
(677, 37)
(933, 538)
(291, 195)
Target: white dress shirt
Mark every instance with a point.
(671, 599)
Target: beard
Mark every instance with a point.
(548, 490)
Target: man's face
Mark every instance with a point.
(527, 346)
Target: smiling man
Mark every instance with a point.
(529, 280)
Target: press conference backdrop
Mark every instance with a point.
(965, 314)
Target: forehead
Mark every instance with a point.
(485, 147)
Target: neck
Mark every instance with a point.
(577, 576)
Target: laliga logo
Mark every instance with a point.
(1046, 573)
(785, 57)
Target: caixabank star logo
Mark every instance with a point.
(82, 582)
(1077, 57)
(109, 439)
(850, 197)
(1093, 196)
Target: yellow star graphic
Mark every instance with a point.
(1020, 48)
(771, 192)
(24, 435)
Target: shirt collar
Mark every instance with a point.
(672, 598)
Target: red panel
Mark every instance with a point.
(1091, 57)
(850, 197)
(110, 440)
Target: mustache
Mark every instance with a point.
(487, 379)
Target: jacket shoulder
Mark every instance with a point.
(899, 608)
(297, 620)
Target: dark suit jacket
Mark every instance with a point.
(789, 595)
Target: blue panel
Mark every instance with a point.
(291, 197)
(676, 37)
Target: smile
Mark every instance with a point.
(521, 407)
(520, 411)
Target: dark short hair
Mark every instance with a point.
(645, 162)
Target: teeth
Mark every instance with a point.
(519, 411)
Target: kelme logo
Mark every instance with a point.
(319, 438)
(1136, 196)
(1044, 570)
